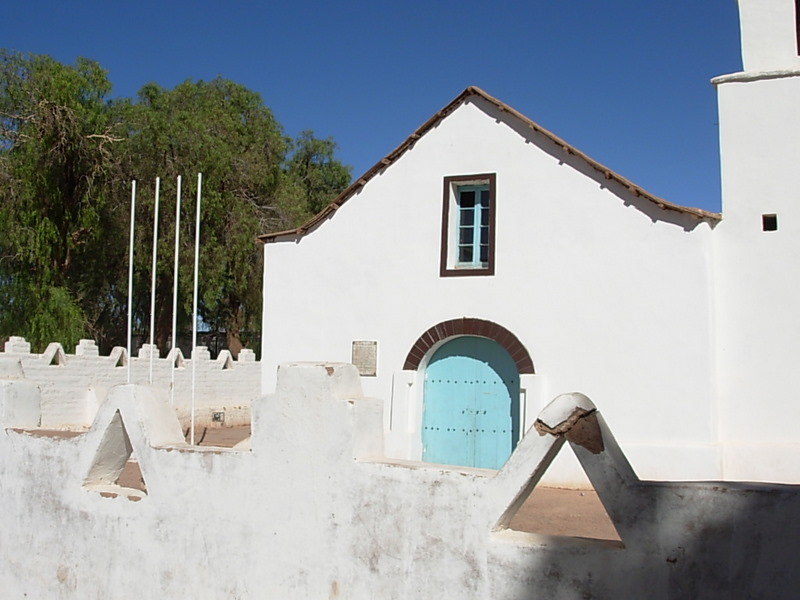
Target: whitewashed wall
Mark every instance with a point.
(689, 336)
(609, 294)
(757, 278)
(314, 511)
(73, 385)
(769, 37)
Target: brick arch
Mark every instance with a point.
(466, 326)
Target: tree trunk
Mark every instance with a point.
(234, 343)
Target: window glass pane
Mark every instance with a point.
(470, 234)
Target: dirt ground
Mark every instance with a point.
(551, 511)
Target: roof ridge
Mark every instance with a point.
(441, 114)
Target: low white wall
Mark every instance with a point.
(73, 385)
(313, 511)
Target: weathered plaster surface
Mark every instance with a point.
(314, 511)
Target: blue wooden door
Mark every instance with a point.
(471, 404)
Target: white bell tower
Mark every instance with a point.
(769, 35)
(759, 118)
(757, 247)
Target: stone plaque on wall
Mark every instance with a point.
(365, 357)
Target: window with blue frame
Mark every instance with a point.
(468, 225)
(473, 226)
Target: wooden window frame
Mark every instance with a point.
(448, 264)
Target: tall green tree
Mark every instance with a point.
(225, 131)
(57, 143)
(313, 171)
(67, 157)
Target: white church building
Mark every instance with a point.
(486, 266)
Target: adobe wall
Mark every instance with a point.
(311, 510)
(73, 385)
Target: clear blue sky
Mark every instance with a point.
(625, 81)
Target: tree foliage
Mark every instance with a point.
(314, 169)
(67, 156)
(57, 139)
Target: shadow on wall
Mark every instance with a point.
(677, 540)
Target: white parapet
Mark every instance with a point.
(72, 385)
(87, 348)
(17, 345)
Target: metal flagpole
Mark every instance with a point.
(153, 280)
(175, 289)
(194, 309)
(130, 277)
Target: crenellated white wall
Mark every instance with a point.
(313, 510)
(73, 385)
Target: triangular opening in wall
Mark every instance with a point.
(120, 357)
(54, 354)
(115, 469)
(561, 513)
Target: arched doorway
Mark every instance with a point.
(471, 404)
